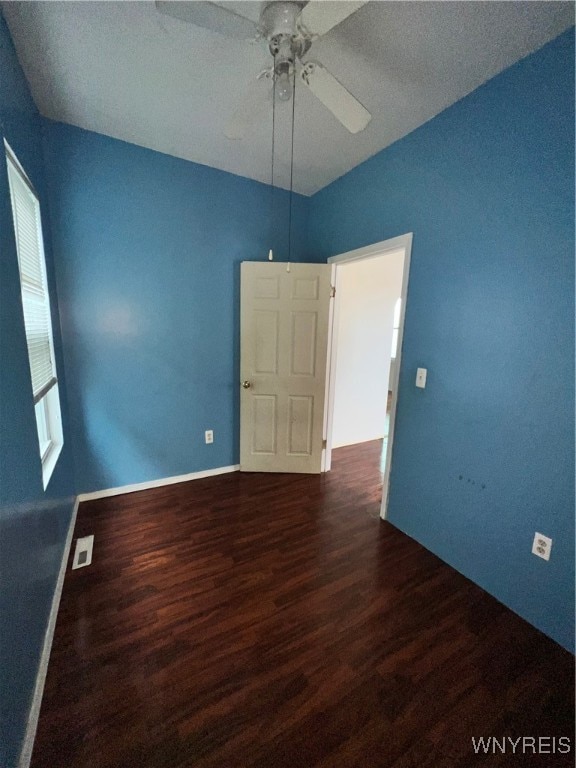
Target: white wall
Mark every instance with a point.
(367, 293)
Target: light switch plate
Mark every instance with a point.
(83, 552)
(421, 377)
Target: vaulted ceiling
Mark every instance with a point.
(127, 71)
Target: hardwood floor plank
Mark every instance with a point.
(263, 621)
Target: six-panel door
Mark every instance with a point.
(283, 351)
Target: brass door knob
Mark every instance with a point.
(246, 384)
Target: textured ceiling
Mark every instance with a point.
(125, 70)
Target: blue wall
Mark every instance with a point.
(149, 248)
(484, 456)
(33, 523)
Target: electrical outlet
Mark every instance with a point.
(541, 546)
(209, 436)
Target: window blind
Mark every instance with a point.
(35, 298)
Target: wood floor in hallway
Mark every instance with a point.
(274, 621)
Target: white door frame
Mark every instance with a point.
(403, 242)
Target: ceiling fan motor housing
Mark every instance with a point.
(279, 18)
(278, 22)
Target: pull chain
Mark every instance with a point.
(291, 166)
(270, 254)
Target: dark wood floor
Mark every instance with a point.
(274, 621)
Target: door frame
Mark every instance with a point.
(402, 242)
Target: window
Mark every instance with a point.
(396, 327)
(37, 319)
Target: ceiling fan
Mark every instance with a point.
(290, 28)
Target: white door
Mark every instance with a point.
(284, 322)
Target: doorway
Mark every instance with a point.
(365, 351)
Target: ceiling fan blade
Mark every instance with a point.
(253, 106)
(345, 107)
(320, 16)
(209, 16)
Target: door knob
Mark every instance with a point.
(246, 384)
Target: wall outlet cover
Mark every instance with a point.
(541, 546)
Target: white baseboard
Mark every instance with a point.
(157, 483)
(33, 715)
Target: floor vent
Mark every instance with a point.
(83, 552)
